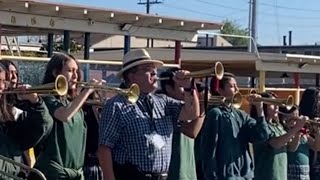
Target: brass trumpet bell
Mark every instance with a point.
(59, 87)
(235, 100)
(132, 94)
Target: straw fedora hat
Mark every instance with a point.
(137, 57)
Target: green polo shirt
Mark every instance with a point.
(270, 163)
(225, 141)
(182, 165)
(63, 154)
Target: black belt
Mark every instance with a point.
(128, 171)
(155, 176)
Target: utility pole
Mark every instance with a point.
(252, 24)
(148, 3)
(249, 25)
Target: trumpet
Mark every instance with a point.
(218, 71)
(132, 94)
(311, 124)
(235, 100)
(288, 103)
(59, 87)
(36, 174)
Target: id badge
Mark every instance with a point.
(156, 140)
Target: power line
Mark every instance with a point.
(192, 11)
(221, 5)
(289, 8)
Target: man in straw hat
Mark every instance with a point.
(136, 139)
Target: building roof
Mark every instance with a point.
(37, 16)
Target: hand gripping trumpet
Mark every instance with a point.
(217, 71)
(132, 94)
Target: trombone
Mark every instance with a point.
(59, 87)
(132, 93)
(218, 71)
(35, 173)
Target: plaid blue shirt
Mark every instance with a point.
(123, 127)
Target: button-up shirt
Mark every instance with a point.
(124, 127)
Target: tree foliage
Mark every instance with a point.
(231, 27)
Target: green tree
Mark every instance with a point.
(231, 27)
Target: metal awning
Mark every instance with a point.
(288, 63)
(21, 17)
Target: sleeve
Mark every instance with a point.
(111, 124)
(173, 107)
(257, 129)
(36, 125)
(53, 104)
(209, 144)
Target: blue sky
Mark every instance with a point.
(275, 17)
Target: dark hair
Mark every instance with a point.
(222, 82)
(310, 103)
(6, 111)
(168, 73)
(253, 110)
(56, 64)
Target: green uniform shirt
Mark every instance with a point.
(224, 143)
(270, 163)
(24, 133)
(182, 165)
(63, 154)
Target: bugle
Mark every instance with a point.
(311, 124)
(288, 102)
(217, 71)
(36, 174)
(235, 100)
(132, 94)
(59, 87)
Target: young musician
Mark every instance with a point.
(182, 165)
(270, 157)
(310, 106)
(136, 139)
(225, 136)
(19, 134)
(11, 98)
(63, 152)
(91, 168)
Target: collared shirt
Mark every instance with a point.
(124, 126)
